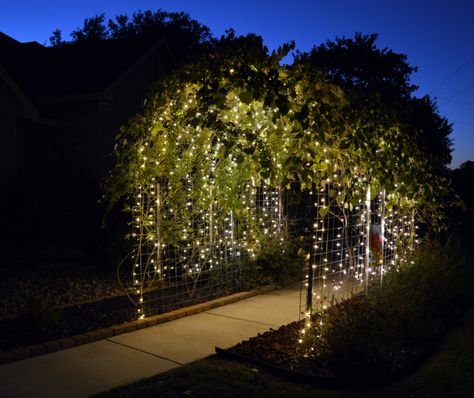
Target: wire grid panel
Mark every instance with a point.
(337, 252)
(352, 245)
(211, 258)
(400, 237)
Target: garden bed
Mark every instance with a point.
(53, 301)
(377, 337)
(279, 351)
(41, 324)
(54, 285)
(47, 324)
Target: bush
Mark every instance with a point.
(370, 333)
(350, 337)
(277, 262)
(40, 316)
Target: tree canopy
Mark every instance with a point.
(359, 66)
(380, 78)
(185, 35)
(462, 178)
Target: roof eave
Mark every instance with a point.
(29, 109)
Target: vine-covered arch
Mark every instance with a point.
(205, 168)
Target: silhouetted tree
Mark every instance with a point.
(462, 217)
(430, 129)
(158, 23)
(184, 35)
(380, 78)
(56, 38)
(358, 65)
(463, 178)
(94, 29)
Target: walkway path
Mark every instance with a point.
(91, 368)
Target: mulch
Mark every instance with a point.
(279, 352)
(55, 324)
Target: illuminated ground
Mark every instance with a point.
(95, 367)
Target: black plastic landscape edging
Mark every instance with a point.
(115, 330)
(334, 382)
(277, 370)
(342, 382)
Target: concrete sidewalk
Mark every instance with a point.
(91, 368)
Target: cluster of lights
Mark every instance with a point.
(342, 262)
(211, 240)
(211, 243)
(345, 257)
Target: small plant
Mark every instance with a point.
(39, 315)
(351, 337)
(277, 261)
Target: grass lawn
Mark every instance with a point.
(449, 372)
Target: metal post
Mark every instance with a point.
(139, 256)
(309, 291)
(158, 230)
(382, 232)
(211, 227)
(367, 237)
(280, 210)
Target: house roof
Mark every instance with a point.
(6, 41)
(29, 109)
(71, 69)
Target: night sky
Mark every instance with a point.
(437, 35)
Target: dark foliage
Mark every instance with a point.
(377, 332)
(184, 35)
(276, 263)
(358, 65)
(149, 23)
(39, 316)
(41, 323)
(462, 217)
(93, 30)
(380, 78)
(463, 178)
(56, 38)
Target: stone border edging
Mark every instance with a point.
(104, 333)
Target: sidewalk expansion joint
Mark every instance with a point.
(145, 352)
(242, 319)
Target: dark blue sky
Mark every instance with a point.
(437, 36)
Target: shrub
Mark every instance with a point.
(277, 261)
(40, 316)
(369, 333)
(350, 337)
